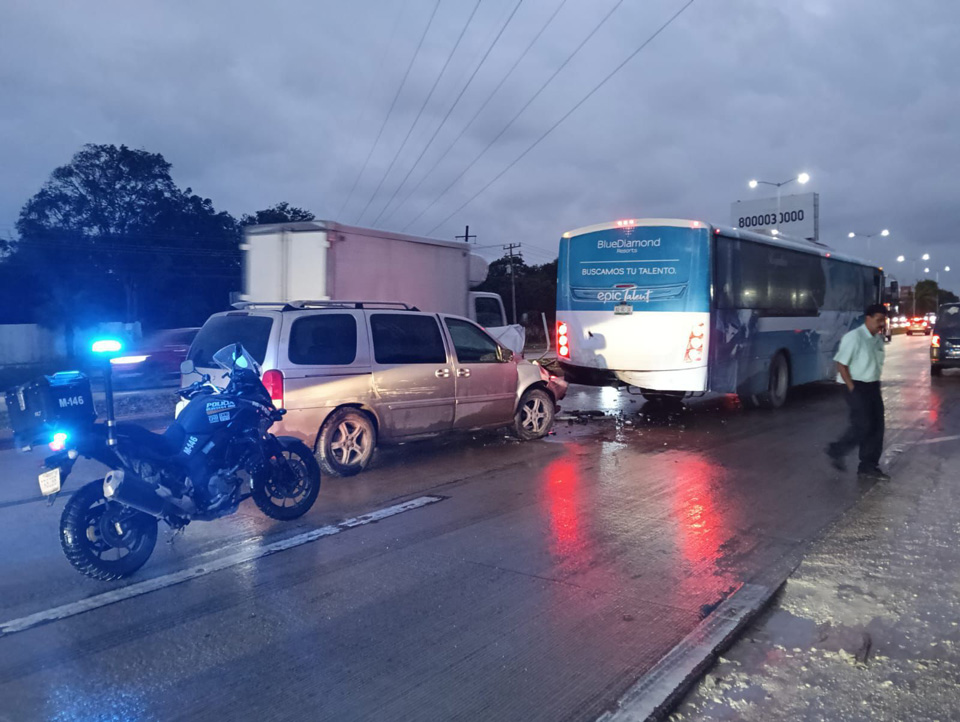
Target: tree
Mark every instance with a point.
(930, 296)
(536, 290)
(283, 212)
(112, 228)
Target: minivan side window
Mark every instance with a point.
(326, 339)
(488, 311)
(404, 338)
(471, 344)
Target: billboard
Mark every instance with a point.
(796, 215)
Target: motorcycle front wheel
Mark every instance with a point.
(293, 483)
(103, 539)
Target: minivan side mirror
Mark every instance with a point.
(188, 367)
(506, 354)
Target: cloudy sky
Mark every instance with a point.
(255, 103)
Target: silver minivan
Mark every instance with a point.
(353, 374)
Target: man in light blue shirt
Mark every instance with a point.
(860, 364)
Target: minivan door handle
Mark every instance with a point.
(442, 373)
(463, 372)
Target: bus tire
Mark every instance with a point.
(778, 383)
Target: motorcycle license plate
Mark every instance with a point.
(50, 482)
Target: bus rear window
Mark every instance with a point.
(253, 332)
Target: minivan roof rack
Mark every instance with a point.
(300, 305)
(241, 305)
(304, 304)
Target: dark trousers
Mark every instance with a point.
(866, 425)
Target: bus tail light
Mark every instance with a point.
(935, 341)
(695, 343)
(563, 340)
(273, 380)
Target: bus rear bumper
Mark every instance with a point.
(693, 380)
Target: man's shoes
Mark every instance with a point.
(836, 460)
(875, 474)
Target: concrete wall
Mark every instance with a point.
(32, 344)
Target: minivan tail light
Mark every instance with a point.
(935, 341)
(273, 380)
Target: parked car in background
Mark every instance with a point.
(945, 341)
(155, 361)
(918, 324)
(354, 374)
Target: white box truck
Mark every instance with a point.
(324, 260)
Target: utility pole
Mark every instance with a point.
(466, 235)
(513, 279)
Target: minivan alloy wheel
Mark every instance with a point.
(350, 442)
(535, 415)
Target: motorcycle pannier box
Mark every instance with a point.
(39, 408)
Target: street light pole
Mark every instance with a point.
(801, 179)
(946, 269)
(913, 261)
(868, 236)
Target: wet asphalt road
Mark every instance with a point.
(546, 579)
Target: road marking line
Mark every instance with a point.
(659, 688)
(939, 439)
(168, 580)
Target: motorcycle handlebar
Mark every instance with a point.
(196, 387)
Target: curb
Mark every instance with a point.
(653, 695)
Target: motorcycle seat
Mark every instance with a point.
(160, 446)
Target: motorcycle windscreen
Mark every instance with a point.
(252, 332)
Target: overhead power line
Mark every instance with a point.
(368, 99)
(390, 111)
(416, 120)
(482, 107)
(443, 122)
(519, 113)
(568, 113)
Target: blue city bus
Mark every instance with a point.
(675, 307)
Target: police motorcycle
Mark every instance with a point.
(218, 452)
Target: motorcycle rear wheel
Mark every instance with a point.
(293, 485)
(102, 539)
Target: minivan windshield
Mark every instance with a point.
(252, 332)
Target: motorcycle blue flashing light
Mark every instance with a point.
(106, 345)
(59, 441)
